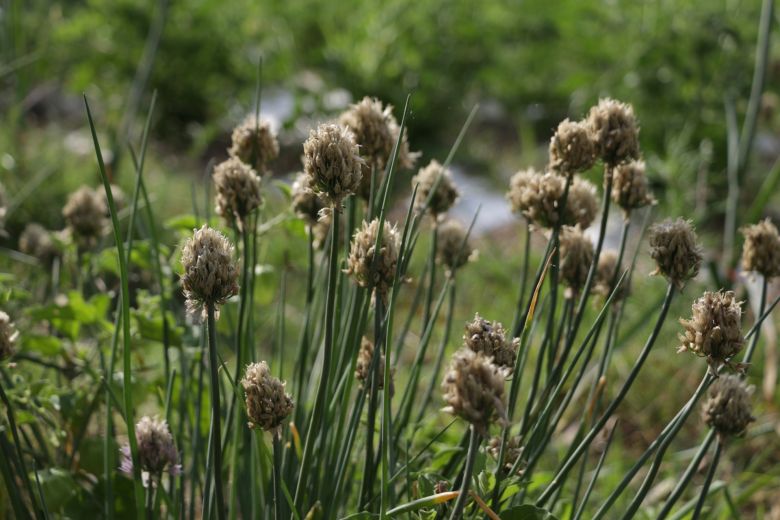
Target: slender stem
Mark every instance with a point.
(474, 440)
(369, 466)
(708, 480)
(434, 377)
(216, 429)
(18, 445)
(321, 401)
(754, 341)
(585, 443)
(277, 441)
(149, 502)
(524, 275)
(432, 273)
(690, 471)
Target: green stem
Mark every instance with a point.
(690, 471)
(321, 402)
(707, 481)
(432, 273)
(585, 443)
(18, 445)
(149, 502)
(277, 441)
(216, 429)
(474, 440)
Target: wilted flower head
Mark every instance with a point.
(675, 249)
(363, 365)
(714, 330)
(332, 159)
(376, 131)
(728, 408)
(156, 450)
(210, 275)
(491, 339)
(512, 451)
(572, 149)
(361, 265)
(435, 176)
(607, 275)
(267, 404)
(238, 190)
(254, 144)
(305, 202)
(615, 131)
(8, 336)
(452, 247)
(761, 252)
(576, 257)
(474, 389)
(36, 241)
(86, 215)
(537, 197)
(629, 186)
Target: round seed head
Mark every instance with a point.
(361, 264)
(452, 249)
(474, 390)
(572, 148)
(156, 450)
(629, 186)
(307, 204)
(761, 252)
(582, 205)
(376, 131)
(36, 241)
(728, 409)
(254, 144)
(364, 362)
(607, 274)
(491, 339)
(714, 330)
(537, 197)
(267, 404)
(331, 158)
(210, 274)
(85, 214)
(576, 257)
(445, 194)
(8, 336)
(512, 451)
(238, 190)
(615, 131)
(675, 249)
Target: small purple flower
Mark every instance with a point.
(156, 451)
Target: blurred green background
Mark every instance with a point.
(527, 63)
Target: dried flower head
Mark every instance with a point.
(267, 404)
(512, 451)
(728, 409)
(537, 197)
(363, 365)
(361, 265)
(675, 249)
(761, 252)
(576, 257)
(714, 330)
(332, 159)
(452, 247)
(436, 182)
(85, 214)
(474, 389)
(254, 144)
(156, 451)
(8, 336)
(307, 204)
(210, 274)
(320, 231)
(582, 205)
(615, 131)
(607, 275)
(376, 131)
(36, 241)
(491, 339)
(629, 186)
(238, 190)
(572, 149)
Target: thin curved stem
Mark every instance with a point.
(457, 511)
(216, 429)
(708, 480)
